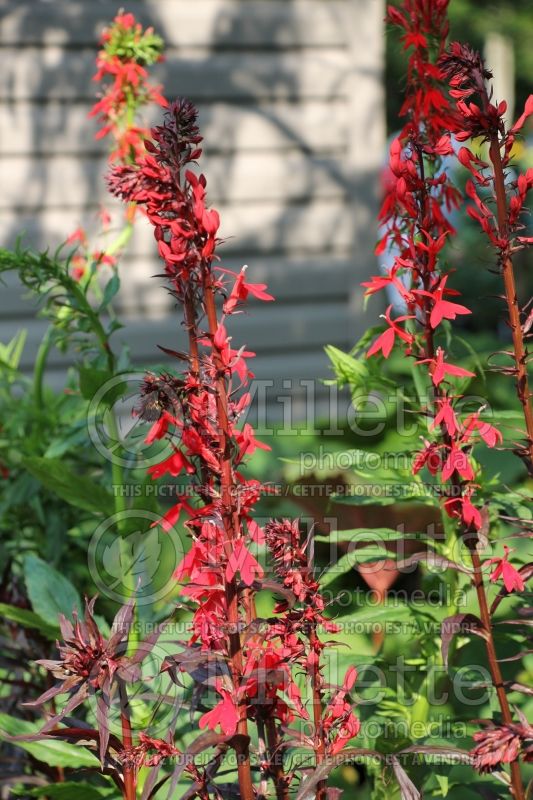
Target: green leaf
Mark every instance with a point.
(91, 379)
(376, 467)
(373, 613)
(352, 560)
(50, 592)
(53, 752)
(68, 441)
(28, 619)
(385, 494)
(443, 782)
(11, 353)
(111, 288)
(374, 535)
(347, 368)
(69, 790)
(77, 490)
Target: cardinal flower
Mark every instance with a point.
(225, 713)
(174, 465)
(457, 461)
(163, 750)
(247, 442)
(385, 342)
(512, 579)
(241, 560)
(439, 368)
(442, 309)
(242, 289)
(339, 720)
(159, 428)
(501, 744)
(490, 435)
(172, 516)
(445, 416)
(429, 456)
(470, 514)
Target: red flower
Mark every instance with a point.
(445, 416)
(430, 457)
(442, 309)
(490, 435)
(457, 461)
(385, 342)
(470, 514)
(172, 516)
(242, 289)
(247, 442)
(174, 465)
(225, 713)
(512, 579)
(439, 368)
(501, 744)
(242, 561)
(159, 428)
(77, 236)
(162, 749)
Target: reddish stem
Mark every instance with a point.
(127, 741)
(472, 541)
(275, 760)
(520, 354)
(320, 752)
(232, 528)
(494, 666)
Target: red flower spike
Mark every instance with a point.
(125, 48)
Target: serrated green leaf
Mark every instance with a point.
(77, 490)
(53, 752)
(49, 591)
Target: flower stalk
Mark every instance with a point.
(414, 215)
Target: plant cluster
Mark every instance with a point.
(237, 684)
